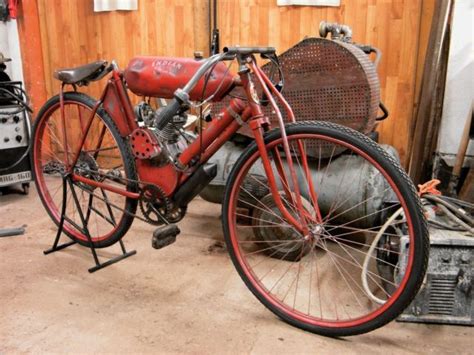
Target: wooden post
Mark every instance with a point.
(31, 52)
(428, 113)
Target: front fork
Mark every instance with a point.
(259, 124)
(300, 221)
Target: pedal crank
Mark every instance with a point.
(164, 236)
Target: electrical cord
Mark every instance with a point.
(459, 212)
(457, 202)
(439, 225)
(365, 265)
(455, 219)
(21, 101)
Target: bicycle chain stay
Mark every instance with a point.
(143, 197)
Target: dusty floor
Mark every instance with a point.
(184, 298)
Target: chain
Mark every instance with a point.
(107, 201)
(128, 180)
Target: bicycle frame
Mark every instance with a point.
(115, 100)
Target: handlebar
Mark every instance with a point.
(167, 113)
(249, 50)
(181, 96)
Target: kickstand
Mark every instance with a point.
(67, 180)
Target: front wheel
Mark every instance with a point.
(360, 266)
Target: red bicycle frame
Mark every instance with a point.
(116, 102)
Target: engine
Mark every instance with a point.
(160, 146)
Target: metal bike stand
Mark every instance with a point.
(85, 230)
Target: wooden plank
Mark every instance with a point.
(429, 112)
(467, 189)
(199, 15)
(426, 16)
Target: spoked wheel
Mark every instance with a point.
(358, 267)
(103, 157)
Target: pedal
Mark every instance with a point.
(164, 236)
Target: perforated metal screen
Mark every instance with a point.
(327, 80)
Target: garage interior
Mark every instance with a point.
(188, 296)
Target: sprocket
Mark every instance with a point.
(87, 167)
(154, 204)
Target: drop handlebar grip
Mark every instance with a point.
(166, 114)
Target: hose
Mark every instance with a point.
(365, 266)
(378, 55)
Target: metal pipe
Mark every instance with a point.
(9, 232)
(338, 32)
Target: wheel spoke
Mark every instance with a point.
(101, 149)
(322, 278)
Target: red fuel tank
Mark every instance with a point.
(161, 76)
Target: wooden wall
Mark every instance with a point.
(72, 34)
(392, 26)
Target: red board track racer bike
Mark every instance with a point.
(304, 240)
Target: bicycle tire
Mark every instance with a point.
(130, 205)
(405, 189)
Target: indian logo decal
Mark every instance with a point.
(168, 66)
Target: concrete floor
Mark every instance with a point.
(184, 298)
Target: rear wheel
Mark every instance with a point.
(104, 157)
(358, 268)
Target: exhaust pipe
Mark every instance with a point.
(194, 185)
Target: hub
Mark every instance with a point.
(316, 233)
(86, 166)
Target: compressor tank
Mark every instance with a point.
(364, 178)
(161, 76)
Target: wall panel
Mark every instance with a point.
(392, 26)
(72, 34)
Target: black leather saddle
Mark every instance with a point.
(84, 74)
